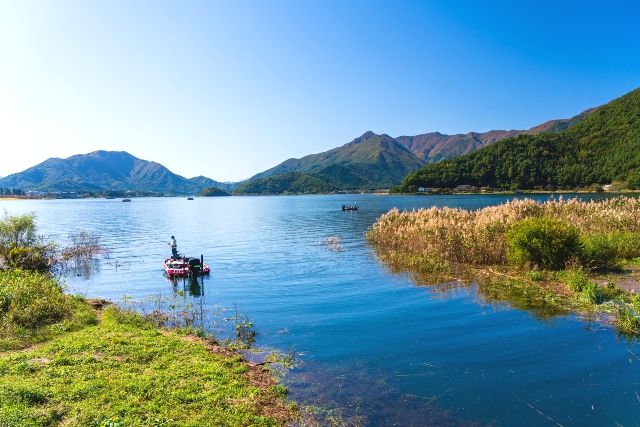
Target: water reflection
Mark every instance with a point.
(190, 285)
(490, 288)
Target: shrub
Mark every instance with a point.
(30, 300)
(576, 279)
(592, 293)
(598, 251)
(544, 243)
(17, 230)
(627, 244)
(29, 258)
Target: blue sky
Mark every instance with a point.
(228, 89)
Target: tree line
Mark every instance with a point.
(602, 149)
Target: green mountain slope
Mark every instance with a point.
(599, 149)
(434, 146)
(288, 183)
(203, 182)
(368, 162)
(104, 171)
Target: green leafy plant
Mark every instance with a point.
(541, 242)
(38, 258)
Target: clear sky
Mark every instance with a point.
(228, 89)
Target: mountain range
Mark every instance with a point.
(601, 147)
(104, 171)
(369, 162)
(374, 161)
(434, 147)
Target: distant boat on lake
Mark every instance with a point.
(189, 198)
(349, 208)
(126, 200)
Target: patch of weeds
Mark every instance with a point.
(575, 278)
(628, 322)
(286, 360)
(279, 390)
(536, 275)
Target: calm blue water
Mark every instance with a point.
(371, 344)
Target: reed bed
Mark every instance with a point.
(454, 235)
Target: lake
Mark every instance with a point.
(371, 345)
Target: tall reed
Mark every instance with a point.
(478, 237)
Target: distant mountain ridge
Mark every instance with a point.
(601, 147)
(370, 161)
(434, 146)
(100, 171)
(374, 161)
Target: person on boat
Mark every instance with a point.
(174, 247)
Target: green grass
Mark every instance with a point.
(75, 366)
(33, 309)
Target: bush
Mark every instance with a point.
(592, 293)
(542, 242)
(576, 279)
(30, 300)
(627, 244)
(29, 258)
(17, 230)
(599, 251)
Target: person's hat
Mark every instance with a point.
(172, 237)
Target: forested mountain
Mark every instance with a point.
(434, 147)
(368, 162)
(288, 183)
(203, 182)
(104, 171)
(602, 147)
(379, 161)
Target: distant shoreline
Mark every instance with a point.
(373, 193)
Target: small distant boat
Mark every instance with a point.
(349, 208)
(189, 198)
(126, 200)
(185, 267)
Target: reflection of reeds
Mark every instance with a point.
(477, 237)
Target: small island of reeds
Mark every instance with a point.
(575, 255)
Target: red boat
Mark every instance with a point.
(185, 267)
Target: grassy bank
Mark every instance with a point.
(557, 249)
(66, 362)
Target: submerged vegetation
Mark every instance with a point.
(559, 246)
